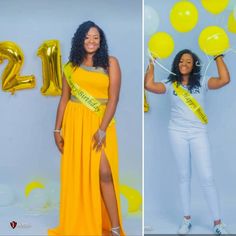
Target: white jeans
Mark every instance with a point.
(194, 144)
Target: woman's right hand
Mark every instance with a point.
(150, 84)
(59, 141)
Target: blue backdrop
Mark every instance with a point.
(27, 119)
(162, 201)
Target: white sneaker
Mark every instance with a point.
(220, 229)
(185, 227)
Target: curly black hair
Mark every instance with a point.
(78, 53)
(195, 75)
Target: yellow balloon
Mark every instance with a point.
(215, 6)
(161, 45)
(213, 40)
(231, 23)
(11, 79)
(50, 54)
(31, 186)
(184, 16)
(133, 197)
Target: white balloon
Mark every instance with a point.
(151, 20)
(7, 196)
(37, 199)
(53, 191)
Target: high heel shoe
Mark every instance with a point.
(115, 231)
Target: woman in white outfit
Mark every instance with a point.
(187, 128)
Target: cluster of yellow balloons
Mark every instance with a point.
(42, 195)
(50, 54)
(212, 40)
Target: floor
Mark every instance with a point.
(33, 223)
(168, 222)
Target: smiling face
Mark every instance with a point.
(186, 64)
(92, 40)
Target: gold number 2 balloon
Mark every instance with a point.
(50, 54)
(11, 80)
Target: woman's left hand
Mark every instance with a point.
(99, 139)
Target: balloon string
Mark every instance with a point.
(150, 56)
(156, 62)
(231, 50)
(207, 67)
(212, 59)
(208, 64)
(221, 22)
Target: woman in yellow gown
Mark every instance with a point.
(89, 199)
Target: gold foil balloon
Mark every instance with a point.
(213, 40)
(11, 80)
(133, 196)
(231, 23)
(50, 54)
(161, 45)
(184, 16)
(215, 6)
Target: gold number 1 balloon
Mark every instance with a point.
(50, 54)
(11, 80)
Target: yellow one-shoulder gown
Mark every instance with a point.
(82, 210)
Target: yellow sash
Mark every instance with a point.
(146, 105)
(81, 94)
(191, 103)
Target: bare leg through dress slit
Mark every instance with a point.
(108, 191)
